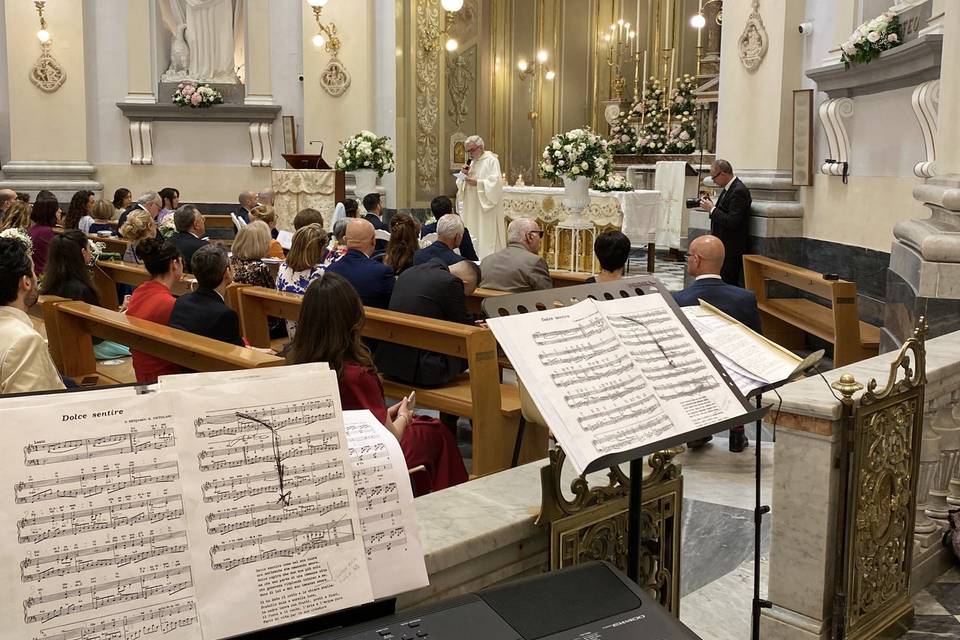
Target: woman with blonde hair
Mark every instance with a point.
(249, 249)
(267, 214)
(139, 225)
(102, 215)
(18, 216)
(404, 242)
(303, 265)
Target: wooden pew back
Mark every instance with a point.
(107, 274)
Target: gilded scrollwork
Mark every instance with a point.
(427, 98)
(460, 78)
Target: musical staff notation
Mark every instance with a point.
(283, 544)
(246, 485)
(133, 441)
(272, 513)
(284, 415)
(114, 516)
(134, 625)
(229, 457)
(87, 485)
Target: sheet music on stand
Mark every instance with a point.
(133, 515)
(615, 378)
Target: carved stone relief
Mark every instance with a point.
(427, 98)
(754, 40)
(460, 77)
(47, 74)
(335, 78)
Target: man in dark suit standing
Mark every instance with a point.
(204, 311)
(373, 280)
(705, 259)
(439, 207)
(190, 229)
(730, 218)
(449, 235)
(374, 215)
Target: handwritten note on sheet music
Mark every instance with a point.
(99, 548)
(615, 375)
(272, 505)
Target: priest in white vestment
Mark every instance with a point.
(479, 193)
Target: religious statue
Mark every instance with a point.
(754, 40)
(207, 43)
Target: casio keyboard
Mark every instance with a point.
(591, 601)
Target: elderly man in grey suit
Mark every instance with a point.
(518, 267)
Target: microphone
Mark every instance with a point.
(469, 162)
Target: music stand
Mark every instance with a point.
(305, 161)
(643, 285)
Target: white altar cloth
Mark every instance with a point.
(635, 212)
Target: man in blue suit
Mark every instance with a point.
(449, 235)
(704, 262)
(373, 280)
(439, 207)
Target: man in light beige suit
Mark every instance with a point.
(518, 267)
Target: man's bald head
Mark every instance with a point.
(705, 256)
(360, 235)
(7, 196)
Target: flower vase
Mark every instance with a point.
(576, 198)
(366, 182)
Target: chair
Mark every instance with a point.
(382, 234)
(428, 240)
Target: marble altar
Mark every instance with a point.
(296, 189)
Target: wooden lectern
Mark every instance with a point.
(309, 182)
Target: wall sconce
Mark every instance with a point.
(435, 36)
(46, 73)
(699, 21)
(326, 33)
(528, 70)
(42, 35)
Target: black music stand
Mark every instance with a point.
(629, 287)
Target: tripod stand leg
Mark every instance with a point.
(635, 506)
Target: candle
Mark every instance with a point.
(645, 74)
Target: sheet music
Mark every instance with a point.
(272, 502)
(95, 542)
(615, 375)
(388, 521)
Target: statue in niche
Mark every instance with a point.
(207, 40)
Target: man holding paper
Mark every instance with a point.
(479, 192)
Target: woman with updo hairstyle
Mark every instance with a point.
(44, 216)
(351, 207)
(153, 301)
(122, 198)
(331, 319)
(18, 216)
(139, 226)
(404, 242)
(267, 214)
(78, 213)
(102, 215)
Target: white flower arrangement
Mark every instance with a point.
(653, 133)
(613, 182)
(18, 234)
(871, 39)
(366, 150)
(196, 97)
(168, 227)
(682, 137)
(579, 153)
(623, 135)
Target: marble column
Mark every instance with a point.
(48, 130)
(949, 432)
(754, 129)
(257, 73)
(925, 531)
(924, 277)
(141, 85)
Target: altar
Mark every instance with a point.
(297, 189)
(635, 213)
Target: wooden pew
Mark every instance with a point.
(107, 274)
(493, 407)
(568, 278)
(71, 326)
(786, 320)
(475, 300)
(218, 221)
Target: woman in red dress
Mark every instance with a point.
(153, 301)
(331, 319)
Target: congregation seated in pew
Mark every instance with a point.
(25, 362)
(44, 216)
(449, 235)
(331, 319)
(265, 213)
(190, 231)
(517, 267)
(307, 216)
(439, 207)
(154, 301)
(374, 215)
(372, 280)
(303, 264)
(149, 201)
(122, 199)
(170, 198)
(79, 210)
(17, 216)
(249, 248)
(404, 242)
(102, 218)
(204, 311)
(612, 250)
(138, 226)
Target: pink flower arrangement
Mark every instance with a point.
(196, 97)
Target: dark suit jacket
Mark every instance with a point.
(379, 225)
(466, 245)
(204, 313)
(373, 280)
(187, 244)
(437, 250)
(740, 304)
(730, 219)
(243, 213)
(431, 291)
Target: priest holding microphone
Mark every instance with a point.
(479, 192)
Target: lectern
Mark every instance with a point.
(309, 182)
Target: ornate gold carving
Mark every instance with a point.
(427, 98)
(460, 77)
(887, 431)
(47, 74)
(592, 525)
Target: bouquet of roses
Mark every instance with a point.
(366, 150)
(653, 133)
(871, 39)
(196, 97)
(623, 135)
(613, 182)
(167, 227)
(575, 154)
(18, 234)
